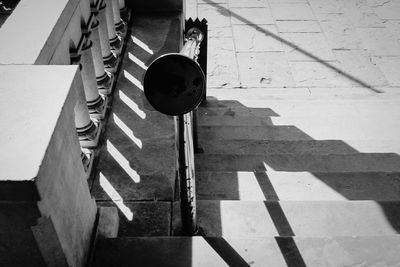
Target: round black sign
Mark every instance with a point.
(174, 84)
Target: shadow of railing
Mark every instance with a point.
(227, 160)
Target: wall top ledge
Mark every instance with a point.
(31, 33)
(31, 103)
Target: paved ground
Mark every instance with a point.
(302, 43)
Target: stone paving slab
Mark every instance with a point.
(248, 3)
(267, 69)
(292, 11)
(299, 218)
(297, 186)
(390, 67)
(260, 38)
(387, 9)
(312, 43)
(315, 74)
(358, 64)
(298, 26)
(257, 15)
(379, 41)
(256, 252)
(151, 218)
(222, 68)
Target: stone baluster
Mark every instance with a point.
(88, 131)
(120, 25)
(123, 10)
(115, 41)
(122, 5)
(110, 60)
(96, 103)
(104, 80)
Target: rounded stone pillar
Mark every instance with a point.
(109, 59)
(120, 25)
(123, 10)
(103, 79)
(121, 4)
(87, 130)
(115, 41)
(95, 101)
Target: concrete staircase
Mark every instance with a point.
(286, 179)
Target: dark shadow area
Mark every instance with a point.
(226, 252)
(16, 237)
(226, 12)
(258, 150)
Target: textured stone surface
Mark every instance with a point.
(17, 244)
(292, 11)
(260, 38)
(359, 65)
(221, 66)
(389, 66)
(207, 251)
(298, 26)
(339, 32)
(108, 222)
(307, 47)
(359, 162)
(301, 218)
(149, 218)
(137, 157)
(257, 15)
(297, 186)
(248, 3)
(315, 74)
(264, 70)
(379, 42)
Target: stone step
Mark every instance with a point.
(301, 186)
(307, 131)
(294, 218)
(268, 108)
(299, 147)
(131, 170)
(302, 93)
(135, 171)
(360, 162)
(315, 124)
(280, 251)
(141, 218)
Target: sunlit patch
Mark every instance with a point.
(248, 187)
(267, 167)
(122, 161)
(144, 46)
(132, 105)
(137, 61)
(127, 131)
(133, 80)
(115, 197)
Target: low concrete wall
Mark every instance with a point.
(41, 146)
